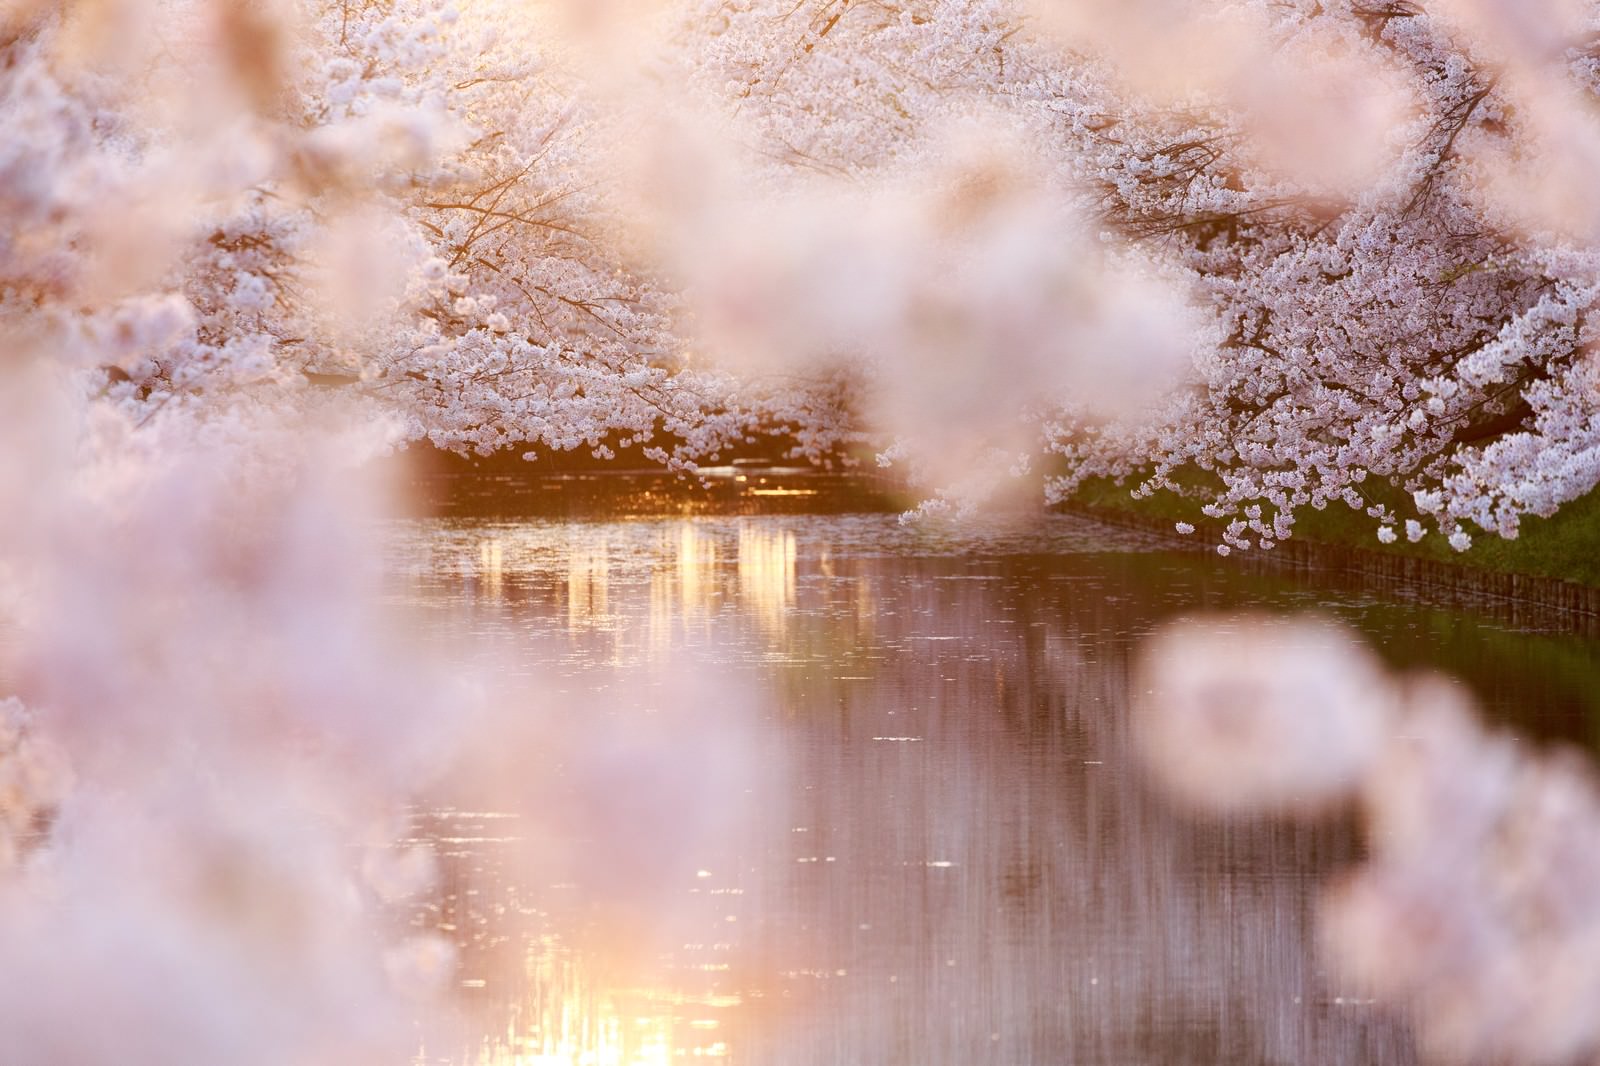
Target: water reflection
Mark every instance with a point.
(491, 563)
(696, 570)
(588, 584)
(766, 574)
(822, 791)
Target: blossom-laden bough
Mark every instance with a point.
(1381, 207)
(1267, 256)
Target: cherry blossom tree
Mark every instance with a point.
(1378, 204)
(1362, 231)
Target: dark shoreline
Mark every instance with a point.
(1524, 600)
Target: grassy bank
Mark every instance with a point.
(1566, 546)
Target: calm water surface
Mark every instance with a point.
(822, 790)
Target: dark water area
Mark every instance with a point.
(507, 488)
(825, 789)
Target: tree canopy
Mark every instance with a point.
(1267, 255)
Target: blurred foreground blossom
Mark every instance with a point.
(964, 295)
(34, 779)
(1480, 902)
(200, 632)
(1260, 715)
(1478, 906)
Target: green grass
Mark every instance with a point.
(1566, 545)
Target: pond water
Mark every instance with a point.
(819, 789)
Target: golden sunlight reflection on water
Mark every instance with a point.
(766, 574)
